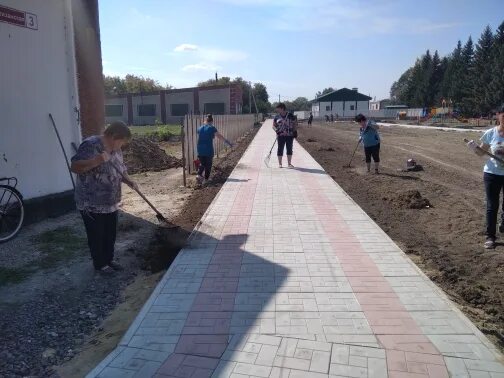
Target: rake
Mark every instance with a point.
(268, 157)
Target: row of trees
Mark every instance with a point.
(258, 90)
(131, 84)
(471, 78)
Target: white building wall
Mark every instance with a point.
(146, 120)
(37, 77)
(338, 108)
(324, 106)
(179, 98)
(118, 101)
(215, 95)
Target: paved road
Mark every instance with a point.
(287, 277)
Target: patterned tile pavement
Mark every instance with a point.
(285, 276)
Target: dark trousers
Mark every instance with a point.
(494, 184)
(373, 151)
(101, 232)
(205, 165)
(285, 141)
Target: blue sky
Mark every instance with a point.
(294, 47)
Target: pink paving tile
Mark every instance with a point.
(396, 360)
(401, 374)
(213, 302)
(202, 345)
(408, 343)
(219, 285)
(433, 359)
(437, 371)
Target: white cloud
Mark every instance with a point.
(202, 66)
(211, 54)
(185, 47)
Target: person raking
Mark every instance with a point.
(370, 138)
(285, 126)
(493, 175)
(98, 191)
(206, 135)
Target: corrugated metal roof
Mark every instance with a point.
(343, 94)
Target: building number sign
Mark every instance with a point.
(18, 18)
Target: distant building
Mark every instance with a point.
(50, 63)
(169, 106)
(343, 102)
(378, 105)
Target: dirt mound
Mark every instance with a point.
(410, 199)
(143, 155)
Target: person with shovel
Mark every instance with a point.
(100, 171)
(492, 142)
(206, 135)
(370, 138)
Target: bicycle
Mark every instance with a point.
(11, 209)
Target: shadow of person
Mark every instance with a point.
(215, 293)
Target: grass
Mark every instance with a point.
(57, 246)
(161, 132)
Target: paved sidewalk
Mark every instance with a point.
(287, 277)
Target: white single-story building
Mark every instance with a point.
(343, 102)
(42, 72)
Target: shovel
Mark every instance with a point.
(160, 217)
(500, 160)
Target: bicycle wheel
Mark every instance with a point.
(11, 212)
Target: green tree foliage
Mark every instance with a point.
(258, 90)
(324, 91)
(300, 103)
(131, 84)
(471, 77)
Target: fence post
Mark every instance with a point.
(182, 136)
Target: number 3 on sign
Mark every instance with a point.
(31, 21)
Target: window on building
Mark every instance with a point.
(147, 110)
(352, 107)
(214, 108)
(113, 110)
(327, 108)
(179, 109)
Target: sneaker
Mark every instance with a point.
(291, 166)
(377, 172)
(115, 266)
(280, 166)
(105, 270)
(199, 179)
(489, 244)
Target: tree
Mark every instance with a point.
(465, 78)
(324, 91)
(399, 92)
(482, 72)
(496, 86)
(131, 84)
(258, 90)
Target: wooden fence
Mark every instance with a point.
(231, 126)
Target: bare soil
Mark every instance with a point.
(185, 210)
(436, 215)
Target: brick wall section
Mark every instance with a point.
(236, 97)
(163, 106)
(89, 66)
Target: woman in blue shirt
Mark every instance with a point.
(371, 141)
(493, 175)
(206, 135)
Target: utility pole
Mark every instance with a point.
(250, 97)
(279, 98)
